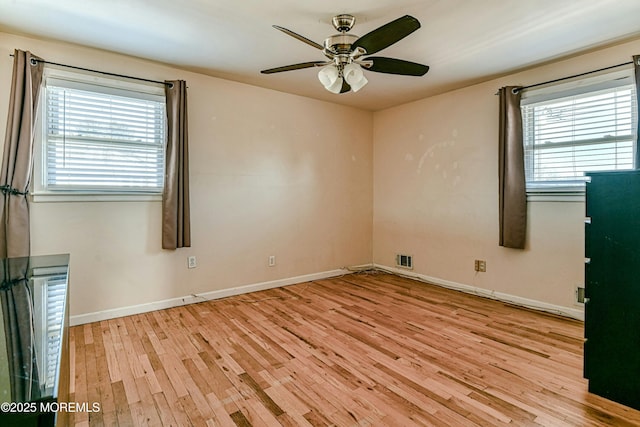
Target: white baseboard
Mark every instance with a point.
(223, 293)
(512, 299)
(189, 299)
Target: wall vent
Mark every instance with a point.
(404, 261)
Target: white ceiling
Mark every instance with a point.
(463, 41)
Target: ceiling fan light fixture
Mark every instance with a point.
(354, 75)
(347, 54)
(330, 78)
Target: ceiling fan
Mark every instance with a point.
(347, 54)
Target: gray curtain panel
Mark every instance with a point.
(17, 160)
(513, 194)
(176, 222)
(636, 66)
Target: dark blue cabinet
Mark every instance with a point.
(612, 286)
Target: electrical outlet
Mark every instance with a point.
(192, 262)
(272, 261)
(481, 266)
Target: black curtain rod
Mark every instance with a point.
(34, 61)
(516, 90)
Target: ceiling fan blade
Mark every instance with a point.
(396, 66)
(295, 67)
(345, 87)
(387, 35)
(299, 37)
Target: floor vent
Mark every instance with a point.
(404, 261)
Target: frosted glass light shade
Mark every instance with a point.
(354, 75)
(330, 78)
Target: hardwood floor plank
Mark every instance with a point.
(398, 412)
(171, 365)
(289, 403)
(93, 383)
(240, 420)
(169, 395)
(109, 419)
(110, 350)
(192, 412)
(103, 381)
(123, 410)
(199, 399)
(322, 405)
(80, 379)
(147, 403)
(266, 400)
(362, 349)
(164, 410)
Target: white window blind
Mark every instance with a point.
(583, 130)
(102, 139)
(55, 296)
(49, 294)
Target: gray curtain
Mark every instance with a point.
(636, 66)
(17, 160)
(513, 194)
(176, 222)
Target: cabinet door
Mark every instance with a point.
(612, 318)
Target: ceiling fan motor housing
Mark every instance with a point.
(339, 43)
(343, 23)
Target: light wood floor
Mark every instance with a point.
(358, 350)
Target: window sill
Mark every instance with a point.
(572, 197)
(47, 197)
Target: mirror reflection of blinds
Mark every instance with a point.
(104, 141)
(568, 136)
(55, 297)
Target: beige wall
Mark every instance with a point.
(435, 193)
(269, 176)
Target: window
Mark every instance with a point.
(578, 128)
(102, 136)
